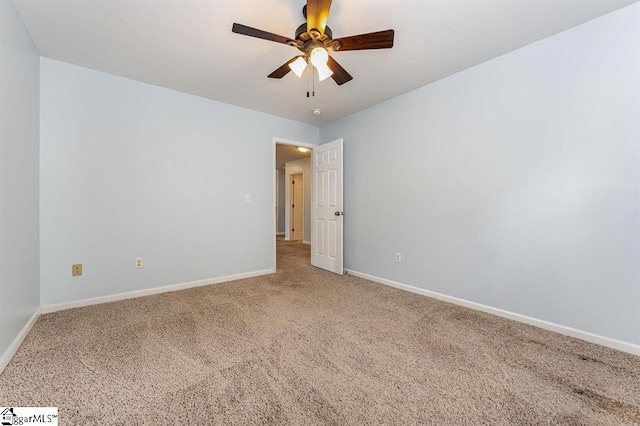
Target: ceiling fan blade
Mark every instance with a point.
(254, 32)
(317, 14)
(340, 75)
(377, 40)
(283, 70)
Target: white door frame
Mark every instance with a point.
(282, 141)
(278, 212)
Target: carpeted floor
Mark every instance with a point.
(304, 346)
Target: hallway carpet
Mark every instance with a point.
(304, 346)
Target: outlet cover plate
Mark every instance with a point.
(76, 269)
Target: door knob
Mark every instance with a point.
(339, 213)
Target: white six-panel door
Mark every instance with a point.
(326, 211)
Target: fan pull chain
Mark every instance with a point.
(311, 83)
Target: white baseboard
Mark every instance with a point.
(306, 242)
(13, 347)
(150, 291)
(567, 331)
(279, 233)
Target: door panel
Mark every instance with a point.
(333, 230)
(327, 201)
(333, 190)
(320, 244)
(319, 180)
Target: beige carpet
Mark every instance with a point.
(304, 346)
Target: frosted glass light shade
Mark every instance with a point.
(319, 57)
(298, 66)
(323, 72)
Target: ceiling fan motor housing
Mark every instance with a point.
(308, 41)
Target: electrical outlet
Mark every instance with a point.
(139, 264)
(76, 269)
(398, 258)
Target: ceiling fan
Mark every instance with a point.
(315, 39)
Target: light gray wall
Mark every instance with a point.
(280, 201)
(304, 165)
(513, 184)
(133, 170)
(19, 135)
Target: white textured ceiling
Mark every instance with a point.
(188, 45)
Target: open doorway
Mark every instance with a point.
(291, 165)
(297, 213)
(298, 200)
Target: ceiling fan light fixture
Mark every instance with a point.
(298, 66)
(323, 72)
(319, 56)
(314, 38)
